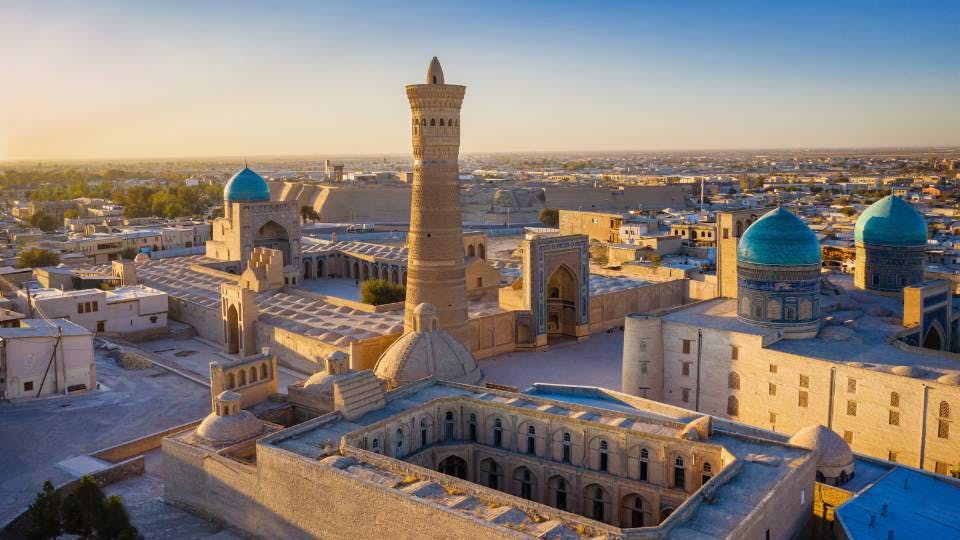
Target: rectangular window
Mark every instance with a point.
(643, 367)
(851, 407)
(734, 352)
(943, 429)
(96, 306)
(643, 471)
(892, 456)
(773, 418)
(686, 369)
(686, 346)
(686, 395)
(28, 386)
(848, 437)
(80, 307)
(851, 385)
(771, 389)
(894, 419)
(802, 400)
(804, 381)
(726, 233)
(942, 468)
(773, 368)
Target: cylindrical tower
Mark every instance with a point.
(435, 271)
(642, 356)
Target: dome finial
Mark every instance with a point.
(435, 72)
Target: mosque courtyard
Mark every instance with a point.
(592, 362)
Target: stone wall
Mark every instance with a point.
(786, 392)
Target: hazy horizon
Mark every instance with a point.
(127, 81)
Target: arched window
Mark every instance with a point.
(242, 377)
(473, 426)
(481, 251)
(733, 380)
(733, 406)
(894, 399)
(531, 440)
(598, 501)
(441, 122)
(424, 122)
(423, 432)
(253, 374)
(632, 511)
(679, 474)
(375, 446)
(448, 426)
(943, 423)
(497, 433)
(492, 472)
(602, 466)
(525, 483)
(559, 488)
(399, 442)
(433, 121)
(471, 251)
(450, 122)
(644, 463)
(231, 381)
(263, 371)
(706, 472)
(566, 447)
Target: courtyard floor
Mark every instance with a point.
(41, 438)
(337, 287)
(593, 362)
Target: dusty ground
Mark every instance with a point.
(37, 435)
(594, 362)
(142, 496)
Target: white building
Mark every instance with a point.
(46, 357)
(126, 311)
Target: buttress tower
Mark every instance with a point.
(435, 271)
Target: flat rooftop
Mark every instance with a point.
(856, 330)
(762, 463)
(918, 506)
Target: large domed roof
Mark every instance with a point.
(779, 238)
(891, 221)
(246, 186)
(427, 352)
(834, 451)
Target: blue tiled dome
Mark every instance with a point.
(246, 186)
(779, 238)
(891, 222)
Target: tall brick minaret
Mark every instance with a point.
(435, 271)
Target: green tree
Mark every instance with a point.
(307, 213)
(43, 221)
(550, 217)
(44, 513)
(71, 214)
(379, 291)
(83, 509)
(31, 258)
(114, 522)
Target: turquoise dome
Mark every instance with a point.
(891, 222)
(246, 186)
(779, 238)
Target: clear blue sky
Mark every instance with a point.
(129, 79)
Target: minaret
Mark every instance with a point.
(435, 271)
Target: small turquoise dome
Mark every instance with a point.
(246, 186)
(891, 221)
(779, 238)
